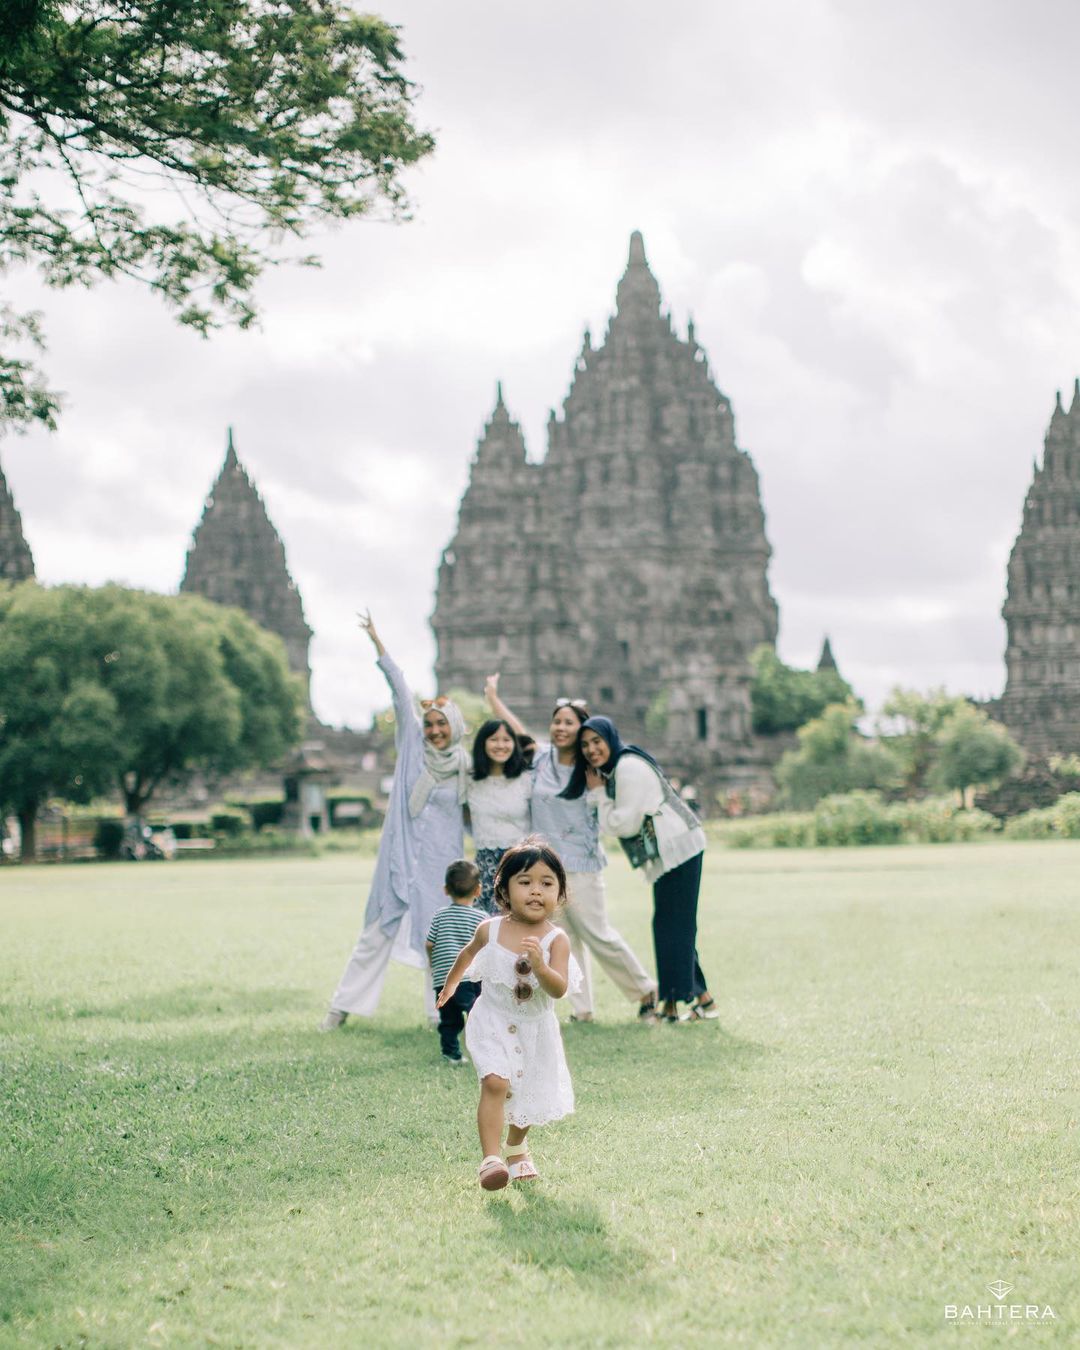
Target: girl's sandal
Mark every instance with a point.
(523, 1170)
(494, 1173)
(704, 1012)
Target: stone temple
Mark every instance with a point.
(1041, 702)
(630, 565)
(16, 560)
(237, 558)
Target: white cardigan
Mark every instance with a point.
(640, 793)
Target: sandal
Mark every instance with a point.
(581, 1017)
(647, 1011)
(523, 1170)
(704, 1012)
(494, 1173)
(669, 1013)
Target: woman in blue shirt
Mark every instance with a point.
(570, 827)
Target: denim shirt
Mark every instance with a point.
(569, 827)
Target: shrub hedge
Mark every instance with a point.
(852, 818)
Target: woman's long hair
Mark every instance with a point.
(518, 761)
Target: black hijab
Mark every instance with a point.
(606, 728)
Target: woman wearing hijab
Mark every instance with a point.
(421, 836)
(662, 836)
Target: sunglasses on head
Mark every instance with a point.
(522, 990)
(428, 703)
(571, 703)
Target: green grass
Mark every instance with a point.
(884, 1121)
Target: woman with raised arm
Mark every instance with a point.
(421, 836)
(662, 836)
(570, 827)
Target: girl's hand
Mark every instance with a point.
(531, 948)
(491, 690)
(593, 778)
(447, 994)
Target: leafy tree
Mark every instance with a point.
(112, 686)
(973, 751)
(56, 719)
(784, 699)
(244, 123)
(833, 756)
(912, 723)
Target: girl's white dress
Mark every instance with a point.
(519, 1040)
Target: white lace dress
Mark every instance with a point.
(519, 1040)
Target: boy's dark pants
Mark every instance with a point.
(452, 1016)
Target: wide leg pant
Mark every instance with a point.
(675, 901)
(586, 921)
(361, 983)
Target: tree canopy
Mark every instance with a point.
(180, 143)
(833, 756)
(973, 751)
(784, 699)
(111, 687)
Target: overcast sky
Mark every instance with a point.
(868, 209)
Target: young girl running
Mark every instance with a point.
(523, 962)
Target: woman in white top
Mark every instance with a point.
(571, 828)
(632, 796)
(497, 795)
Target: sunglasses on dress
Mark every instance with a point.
(522, 990)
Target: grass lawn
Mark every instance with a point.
(883, 1123)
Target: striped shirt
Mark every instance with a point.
(451, 929)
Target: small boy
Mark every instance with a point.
(451, 929)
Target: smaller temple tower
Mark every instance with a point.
(1041, 703)
(237, 558)
(16, 560)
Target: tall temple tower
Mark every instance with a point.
(633, 570)
(1041, 703)
(16, 560)
(237, 558)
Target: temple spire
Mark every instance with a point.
(826, 661)
(16, 560)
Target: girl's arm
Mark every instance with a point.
(638, 793)
(498, 707)
(471, 950)
(554, 974)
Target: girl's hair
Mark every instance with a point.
(518, 761)
(577, 706)
(520, 858)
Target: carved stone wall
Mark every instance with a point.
(1041, 703)
(237, 558)
(630, 566)
(16, 560)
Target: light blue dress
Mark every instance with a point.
(414, 851)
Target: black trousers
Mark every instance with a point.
(452, 1016)
(674, 926)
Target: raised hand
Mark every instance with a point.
(368, 625)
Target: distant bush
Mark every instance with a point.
(262, 810)
(1060, 821)
(862, 817)
(940, 820)
(230, 820)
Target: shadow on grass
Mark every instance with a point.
(539, 1230)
